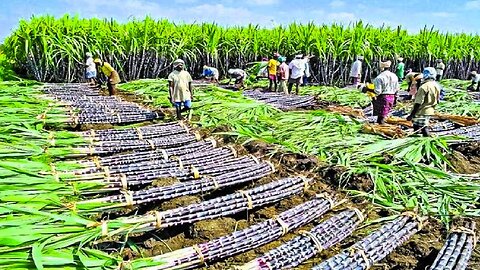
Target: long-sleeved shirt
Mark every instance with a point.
(440, 67)
(356, 69)
(386, 83)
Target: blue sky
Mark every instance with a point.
(452, 16)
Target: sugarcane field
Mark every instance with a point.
(255, 135)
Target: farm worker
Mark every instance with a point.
(356, 70)
(263, 68)
(180, 88)
(90, 69)
(297, 71)
(414, 79)
(426, 99)
(283, 74)
(239, 74)
(272, 71)
(385, 87)
(307, 69)
(439, 68)
(110, 73)
(400, 71)
(211, 73)
(475, 80)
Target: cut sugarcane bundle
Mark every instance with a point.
(376, 246)
(457, 250)
(140, 133)
(294, 252)
(280, 100)
(192, 187)
(112, 147)
(218, 207)
(158, 153)
(472, 132)
(389, 131)
(134, 175)
(239, 241)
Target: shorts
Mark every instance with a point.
(295, 81)
(421, 121)
(91, 74)
(272, 77)
(186, 104)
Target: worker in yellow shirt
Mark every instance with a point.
(272, 71)
(112, 75)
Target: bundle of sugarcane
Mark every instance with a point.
(112, 147)
(389, 131)
(457, 250)
(280, 100)
(134, 176)
(345, 110)
(394, 120)
(472, 132)
(201, 185)
(294, 252)
(442, 126)
(140, 133)
(204, 146)
(458, 119)
(218, 207)
(239, 241)
(376, 246)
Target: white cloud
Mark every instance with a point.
(444, 14)
(337, 4)
(341, 17)
(474, 4)
(261, 2)
(186, 1)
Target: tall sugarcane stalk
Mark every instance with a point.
(376, 246)
(457, 249)
(301, 248)
(240, 241)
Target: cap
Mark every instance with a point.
(97, 61)
(385, 64)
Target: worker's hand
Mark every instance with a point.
(410, 117)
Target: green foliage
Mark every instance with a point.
(6, 68)
(49, 48)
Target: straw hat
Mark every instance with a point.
(386, 64)
(97, 61)
(400, 59)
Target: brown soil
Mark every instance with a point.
(417, 253)
(466, 158)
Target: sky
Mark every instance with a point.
(451, 16)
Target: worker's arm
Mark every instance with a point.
(170, 91)
(378, 86)
(419, 97)
(190, 88)
(415, 109)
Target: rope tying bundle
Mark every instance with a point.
(283, 224)
(139, 133)
(199, 252)
(315, 240)
(249, 199)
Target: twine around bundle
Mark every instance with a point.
(283, 224)
(139, 133)
(151, 143)
(196, 173)
(317, 243)
(123, 180)
(199, 252)
(249, 199)
(467, 231)
(362, 254)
